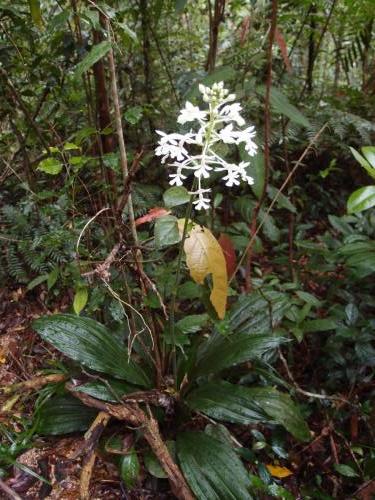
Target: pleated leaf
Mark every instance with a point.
(244, 405)
(254, 313)
(212, 468)
(91, 344)
(63, 415)
(221, 351)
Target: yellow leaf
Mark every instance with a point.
(204, 256)
(277, 471)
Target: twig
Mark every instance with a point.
(166, 65)
(17, 99)
(272, 204)
(87, 224)
(34, 384)
(92, 437)
(316, 51)
(102, 270)
(307, 393)
(267, 138)
(123, 200)
(120, 137)
(8, 491)
(133, 414)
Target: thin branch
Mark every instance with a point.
(120, 136)
(272, 204)
(133, 414)
(267, 137)
(8, 491)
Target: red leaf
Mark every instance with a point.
(151, 215)
(283, 49)
(229, 253)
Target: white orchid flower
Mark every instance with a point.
(216, 124)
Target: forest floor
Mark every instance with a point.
(59, 459)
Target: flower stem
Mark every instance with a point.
(172, 322)
(197, 181)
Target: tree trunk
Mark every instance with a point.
(311, 50)
(106, 141)
(215, 19)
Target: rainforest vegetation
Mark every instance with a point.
(187, 253)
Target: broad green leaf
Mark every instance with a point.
(91, 344)
(192, 323)
(340, 225)
(226, 402)
(308, 298)
(257, 171)
(111, 391)
(133, 115)
(351, 313)
(166, 231)
(128, 35)
(369, 154)
(282, 200)
(220, 352)
(37, 281)
(36, 13)
(69, 146)
(270, 230)
(245, 205)
(254, 313)
(62, 415)
(176, 195)
(212, 468)
(50, 166)
(57, 22)
(281, 104)
(219, 432)
(129, 468)
(239, 404)
(319, 325)
(362, 199)
(96, 53)
(80, 299)
(52, 277)
(363, 161)
(204, 256)
(152, 464)
(345, 470)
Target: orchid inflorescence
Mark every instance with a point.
(217, 124)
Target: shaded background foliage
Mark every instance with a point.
(309, 276)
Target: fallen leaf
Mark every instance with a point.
(277, 471)
(204, 256)
(151, 215)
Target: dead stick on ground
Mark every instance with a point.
(34, 383)
(8, 491)
(92, 437)
(133, 414)
(307, 393)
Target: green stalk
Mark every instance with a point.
(210, 128)
(176, 285)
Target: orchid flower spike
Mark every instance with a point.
(220, 122)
